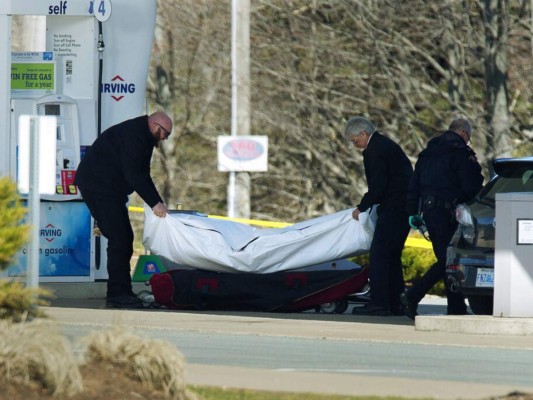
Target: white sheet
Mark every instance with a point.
(222, 245)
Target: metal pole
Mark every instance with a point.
(5, 93)
(239, 196)
(231, 195)
(234, 103)
(34, 206)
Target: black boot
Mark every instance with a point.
(370, 309)
(124, 301)
(409, 307)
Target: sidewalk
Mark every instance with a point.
(431, 310)
(76, 307)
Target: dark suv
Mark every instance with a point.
(470, 257)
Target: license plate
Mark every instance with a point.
(485, 277)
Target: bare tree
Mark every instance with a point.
(410, 66)
(192, 69)
(496, 25)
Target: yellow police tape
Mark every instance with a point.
(410, 242)
(264, 224)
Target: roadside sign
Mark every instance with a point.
(242, 153)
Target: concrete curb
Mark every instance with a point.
(92, 295)
(475, 324)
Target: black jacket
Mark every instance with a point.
(388, 172)
(446, 169)
(118, 162)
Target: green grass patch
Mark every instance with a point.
(215, 393)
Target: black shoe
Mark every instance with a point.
(369, 309)
(409, 308)
(124, 301)
(397, 311)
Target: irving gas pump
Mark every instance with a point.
(90, 74)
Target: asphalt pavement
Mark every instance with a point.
(79, 307)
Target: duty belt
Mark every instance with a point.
(430, 202)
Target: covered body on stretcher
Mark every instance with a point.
(226, 246)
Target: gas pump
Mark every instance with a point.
(65, 109)
(87, 89)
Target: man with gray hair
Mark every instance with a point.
(446, 173)
(388, 172)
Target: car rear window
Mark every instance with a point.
(512, 180)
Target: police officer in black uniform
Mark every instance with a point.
(446, 173)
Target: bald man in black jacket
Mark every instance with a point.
(388, 172)
(116, 165)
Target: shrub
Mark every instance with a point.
(17, 302)
(416, 261)
(13, 234)
(155, 363)
(36, 353)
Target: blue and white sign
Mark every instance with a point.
(101, 9)
(64, 242)
(242, 153)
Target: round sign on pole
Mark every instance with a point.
(101, 9)
(242, 153)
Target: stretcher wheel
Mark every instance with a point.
(342, 306)
(337, 307)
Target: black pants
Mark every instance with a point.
(386, 270)
(441, 226)
(111, 215)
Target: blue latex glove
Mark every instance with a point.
(416, 221)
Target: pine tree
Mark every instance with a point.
(13, 233)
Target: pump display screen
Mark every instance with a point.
(59, 132)
(52, 109)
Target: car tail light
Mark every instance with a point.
(466, 222)
(454, 275)
(452, 268)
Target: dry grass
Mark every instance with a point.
(20, 303)
(36, 353)
(515, 396)
(156, 363)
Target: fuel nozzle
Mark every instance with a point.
(424, 231)
(101, 45)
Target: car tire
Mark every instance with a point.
(481, 305)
